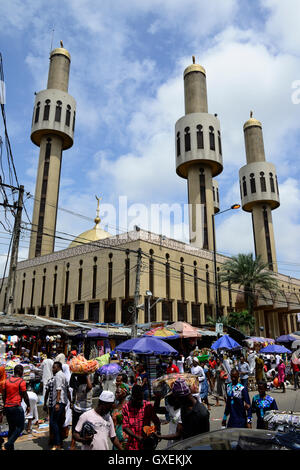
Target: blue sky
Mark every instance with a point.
(126, 75)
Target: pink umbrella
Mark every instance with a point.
(185, 330)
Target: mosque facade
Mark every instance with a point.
(95, 278)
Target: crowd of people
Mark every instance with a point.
(127, 415)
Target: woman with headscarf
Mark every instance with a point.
(259, 369)
(60, 358)
(122, 393)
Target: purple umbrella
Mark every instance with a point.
(275, 348)
(97, 333)
(226, 342)
(287, 338)
(109, 369)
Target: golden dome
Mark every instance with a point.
(60, 51)
(92, 235)
(194, 68)
(252, 122)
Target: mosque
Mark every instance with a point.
(95, 280)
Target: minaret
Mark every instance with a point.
(52, 130)
(198, 155)
(259, 192)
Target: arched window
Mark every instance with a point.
(272, 183)
(212, 144)
(73, 127)
(263, 186)
(277, 184)
(37, 112)
(252, 183)
(178, 144)
(219, 141)
(244, 186)
(218, 195)
(214, 194)
(200, 142)
(46, 110)
(58, 111)
(68, 115)
(187, 139)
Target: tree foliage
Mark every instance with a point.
(249, 273)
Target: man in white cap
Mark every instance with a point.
(95, 427)
(197, 370)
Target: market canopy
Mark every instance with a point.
(146, 345)
(226, 342)
(275, 348)
(162, 333)
(287, 338)
(185, 330)
(259, 339)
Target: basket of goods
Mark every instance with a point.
(80, 365)
(163, 385)
(150, 440)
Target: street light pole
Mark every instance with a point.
(234, 206)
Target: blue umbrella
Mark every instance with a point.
(286, 338)
(275, 348)
(146, 345)
(225, 342)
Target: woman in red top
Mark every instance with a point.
(13, 393)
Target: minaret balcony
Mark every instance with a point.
(54, 113)
(258, 183)
(198, 140)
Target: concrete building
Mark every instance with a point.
(52, 130)
(94, 279)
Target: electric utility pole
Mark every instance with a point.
(11, 280)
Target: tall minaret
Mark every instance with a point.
(259, 192)
(198, 155)
(52, 130)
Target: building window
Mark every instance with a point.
(67, 286)
(32, 291)
(207, 285)
(196, 296)
(22, 296)
(263, 186)
(203, 201)
(68, 115)
(167, 310)
(110, 311)
(54, 288)
(178, 144)
(200, 141)
(244, 186)
(187, 139)
(277, 184)
(37, 112)
(272, 183)
(94, 288)
(127, 277)
(58, 111)
(79, 283)
(252, 183)
(219, 141)
(151, 273)
(196, 315)
(167, 280)
(268, 241)
(74, 116)
(182, 286)
(110, 274)
(46, 110)
(212, 144)
(182, 311)
(43, 291)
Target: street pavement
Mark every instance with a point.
(289, 401)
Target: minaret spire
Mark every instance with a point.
(53, 131)
(199, 156)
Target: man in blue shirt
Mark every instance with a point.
(238, 405)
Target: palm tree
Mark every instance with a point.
(249, 273)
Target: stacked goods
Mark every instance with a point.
(80, 365)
